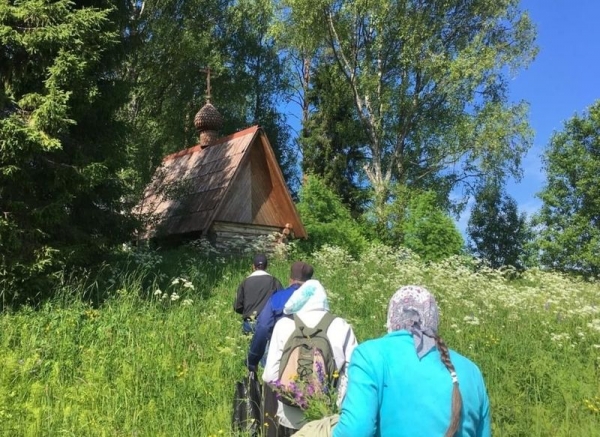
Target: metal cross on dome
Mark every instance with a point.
(207, 70)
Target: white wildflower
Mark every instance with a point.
(174, 297)
(560, 338)
(595, 325)
(175, 281)
(187, 302)
(471, 320)
(158, 292)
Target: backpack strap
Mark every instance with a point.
(322, 326)
(347, 340)
(297, 321)
(325, 322)
(346, 358)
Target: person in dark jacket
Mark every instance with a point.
(300, 272)
(254, 292)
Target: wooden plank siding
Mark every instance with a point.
(263, 209)
(236, 206)
(234, 180)
(277, 205)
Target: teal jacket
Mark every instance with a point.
(393, 393)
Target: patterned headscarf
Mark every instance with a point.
(414, 309)
(309, 297)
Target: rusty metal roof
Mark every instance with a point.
(189, 187)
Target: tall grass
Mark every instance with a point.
(161, 354)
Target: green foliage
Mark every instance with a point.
(569, 220)
(95, 93)
(427, 81)
(428, 230)
(168, 48)
(497, 232)
(417, 220)
(173, 41)
(137, 365)
(255, 77)
(327, 220)
(60, 153)
(332, 138)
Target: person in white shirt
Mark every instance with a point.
(309, 303)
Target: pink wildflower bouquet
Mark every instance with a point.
(313, 395)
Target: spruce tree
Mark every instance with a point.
(497, 232)
(61, 155)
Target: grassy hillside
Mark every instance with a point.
(160, 357)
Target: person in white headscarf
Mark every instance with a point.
(408, 383)
(309, 303)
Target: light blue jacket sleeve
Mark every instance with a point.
(361, 404)
(485, 424)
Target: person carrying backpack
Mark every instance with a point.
(300, 272)
(309, 345)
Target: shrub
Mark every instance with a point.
(429, 231)
(327, 220)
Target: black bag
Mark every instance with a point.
(246, 405)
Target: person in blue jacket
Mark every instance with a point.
(408, 383)
(300, 272)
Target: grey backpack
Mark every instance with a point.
(307, 363)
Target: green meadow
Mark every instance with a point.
(150, 346)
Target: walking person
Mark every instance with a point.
(254, 292)
(300, 272)
(408, 383)
(310, 310)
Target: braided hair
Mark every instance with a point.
(456, 396)
(413, 308)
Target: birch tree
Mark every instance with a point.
(429, 83)
(569, 219)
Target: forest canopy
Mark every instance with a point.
(401, 103)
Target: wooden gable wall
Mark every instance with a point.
(264, 207)
(255, 196)
(258, 194)
(271, 202)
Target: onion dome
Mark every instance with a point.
(208, 118)
(208, 122)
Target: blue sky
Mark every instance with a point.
(562, 81)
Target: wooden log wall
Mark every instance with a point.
(234, 238)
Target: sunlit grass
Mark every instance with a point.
(146, 364)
